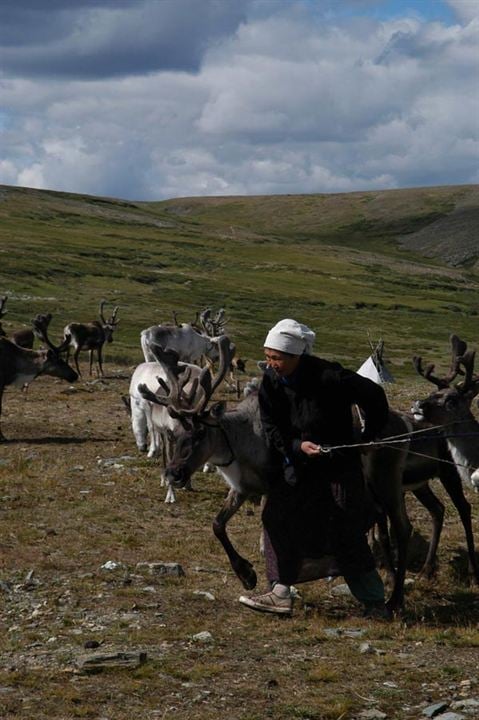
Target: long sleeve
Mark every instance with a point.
(372, 400)
(276, 421)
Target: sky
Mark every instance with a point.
(156, 99)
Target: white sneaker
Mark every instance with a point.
(268, 603)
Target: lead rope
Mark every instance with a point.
(393, 440)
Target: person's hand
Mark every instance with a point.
(310, 448)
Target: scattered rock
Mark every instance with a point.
(372, 714)
(161, 568)
(367, 649)
(466, 704)
(98, 662)
(450, 716)
(203, 637)
(112, 565)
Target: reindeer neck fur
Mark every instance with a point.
(25, 365)
(239, 436)
(464, 447)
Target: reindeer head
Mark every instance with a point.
(55, 364)
(110, 324)
(450, 403)
(190, 409)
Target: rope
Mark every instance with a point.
(393, 440)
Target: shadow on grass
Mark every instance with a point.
(63, 440)
(457, 609)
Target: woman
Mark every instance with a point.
(317, 508)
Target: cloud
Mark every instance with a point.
(466, 10)
(104, 38)
(260, 98)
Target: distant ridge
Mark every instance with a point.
(436, 222)
(453, 238)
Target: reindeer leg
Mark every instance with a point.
(75, 357)
(402, 529)
(453, 485)
(383, 540)
(170, 491)
(100, 361)
(389, 494)
(436, 510)
(243, 568)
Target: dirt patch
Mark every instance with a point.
(81, 509)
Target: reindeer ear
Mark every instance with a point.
(218, 410)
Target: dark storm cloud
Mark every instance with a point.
(106, 38)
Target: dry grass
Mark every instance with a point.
(65, 512)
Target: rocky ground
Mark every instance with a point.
(114, 605)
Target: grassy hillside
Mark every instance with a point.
(336, 262)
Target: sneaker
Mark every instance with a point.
(377, 611)
(268, 603)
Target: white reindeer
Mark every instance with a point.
(150, 421)
(190, 344)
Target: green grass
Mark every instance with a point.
(331, 261)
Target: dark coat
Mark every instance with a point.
(315, 404)
(327, 511)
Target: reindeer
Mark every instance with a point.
(427, 457)
(151, 419)
(190, 345)
(91, 336)
(234, 441)
(24, 337)
(442, 453)
(20, 365)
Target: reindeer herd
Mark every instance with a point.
(172, 412)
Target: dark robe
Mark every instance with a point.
(326, 512)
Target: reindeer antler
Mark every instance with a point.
(113, 320)
(467, 362)
(100, 311)
(458, 355)
(179, 403)
(40, 325)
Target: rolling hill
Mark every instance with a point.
(398, 264)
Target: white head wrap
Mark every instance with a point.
(290, 337)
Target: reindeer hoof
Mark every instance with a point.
(248, 576)
(393, 608)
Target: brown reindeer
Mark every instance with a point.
(23, 337)
(91, 336)
(21, 365)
